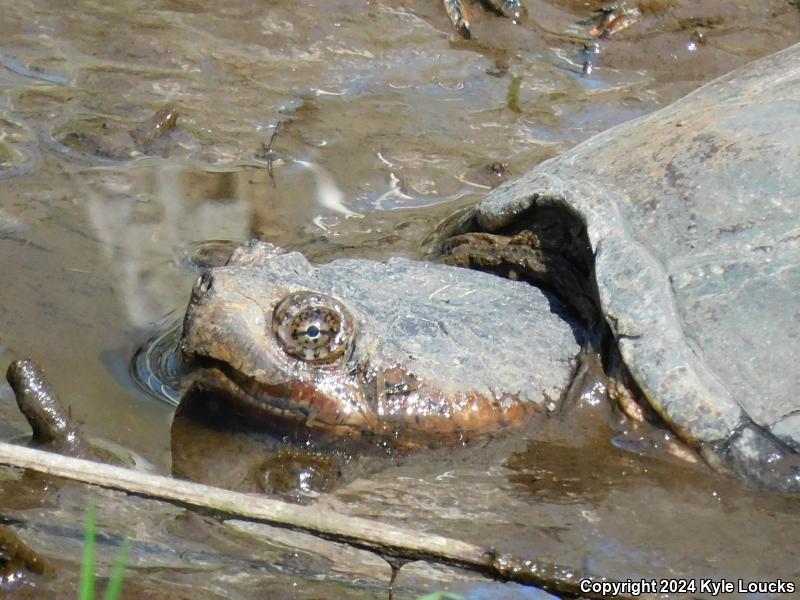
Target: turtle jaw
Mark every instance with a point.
(365, 410)
(292, 401)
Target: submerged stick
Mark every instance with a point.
(38, 402)
(392, 543)
(267, 153)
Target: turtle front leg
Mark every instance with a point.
(458, 15)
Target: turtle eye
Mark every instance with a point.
(313, 327)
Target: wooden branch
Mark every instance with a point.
(395, 544)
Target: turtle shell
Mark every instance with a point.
(693, 216)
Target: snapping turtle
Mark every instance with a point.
(403, 350)
(677, 233)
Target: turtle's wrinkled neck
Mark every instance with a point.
(545, 246)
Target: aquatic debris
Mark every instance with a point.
(156, 127)
(114, 141)
(460, 19)
(512, 96)
(267, 153)
(12, 64)
(37, 400)
(613, 20)
(383, 539)
(17, 560)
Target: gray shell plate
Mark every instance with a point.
(694, 215)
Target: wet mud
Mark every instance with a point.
(390, 123)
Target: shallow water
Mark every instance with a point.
(389, 125)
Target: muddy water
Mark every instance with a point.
(389, 124)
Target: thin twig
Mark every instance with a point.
(267, 153)
(393, 543)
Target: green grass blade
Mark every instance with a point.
(114, 588)
(86, 588)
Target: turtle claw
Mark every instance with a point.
(458, 15)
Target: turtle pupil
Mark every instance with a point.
(312, 331)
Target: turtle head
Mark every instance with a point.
(400, 349)
(268, 342)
